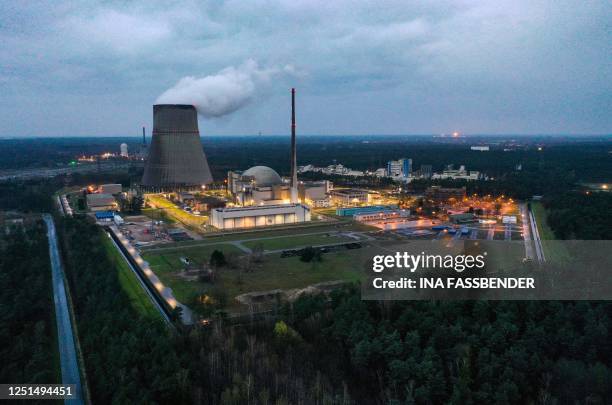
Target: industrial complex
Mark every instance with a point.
(255, 212)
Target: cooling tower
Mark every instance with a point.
(176, 158)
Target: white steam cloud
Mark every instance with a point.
(224, 92)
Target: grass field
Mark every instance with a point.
(553, 251)
(273, 273)
(290, 273)
(129, 283)
(167, 264)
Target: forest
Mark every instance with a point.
(339, 350)
(28, 346)
(580, 215)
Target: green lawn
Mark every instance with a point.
(273, 273)
(167, 264)
(129, 283)
(554, 251)
(287, 273)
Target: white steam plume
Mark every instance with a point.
(224, 92)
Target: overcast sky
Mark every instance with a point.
(369, 67)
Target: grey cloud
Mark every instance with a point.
(421, 66)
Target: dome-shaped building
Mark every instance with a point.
(263, 176)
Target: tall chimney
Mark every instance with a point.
(294, 182)
(144, 141)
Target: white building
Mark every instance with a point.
(382, 172)
(349, 197)
(381, 215)
(259, 216)
(124, 149)
(460, 174)
(399, 168)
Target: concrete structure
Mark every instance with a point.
(176, 159)
(261, 185)
(110, 188)
(101, 202)
(262, 176)
(349, 196)
(255, 217)
(123, 148)
(381, 215)
(294, 180)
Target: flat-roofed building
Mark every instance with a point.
(259, 216)
(101, 202)
(381, 215)
(349, 196)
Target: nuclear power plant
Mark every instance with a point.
(176, 159)
(277, 204)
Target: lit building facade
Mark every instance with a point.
(259, 216)
(349, 197)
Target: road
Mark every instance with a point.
(536, 238)
(67, 349)
(526, 223)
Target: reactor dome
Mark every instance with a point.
(263, 176)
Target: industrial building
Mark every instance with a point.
(352, 211)
(382, 215)
(268, 200)
(349, 196)
(261, 185)
(101, 202)
(255, 217)
(176, 159)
